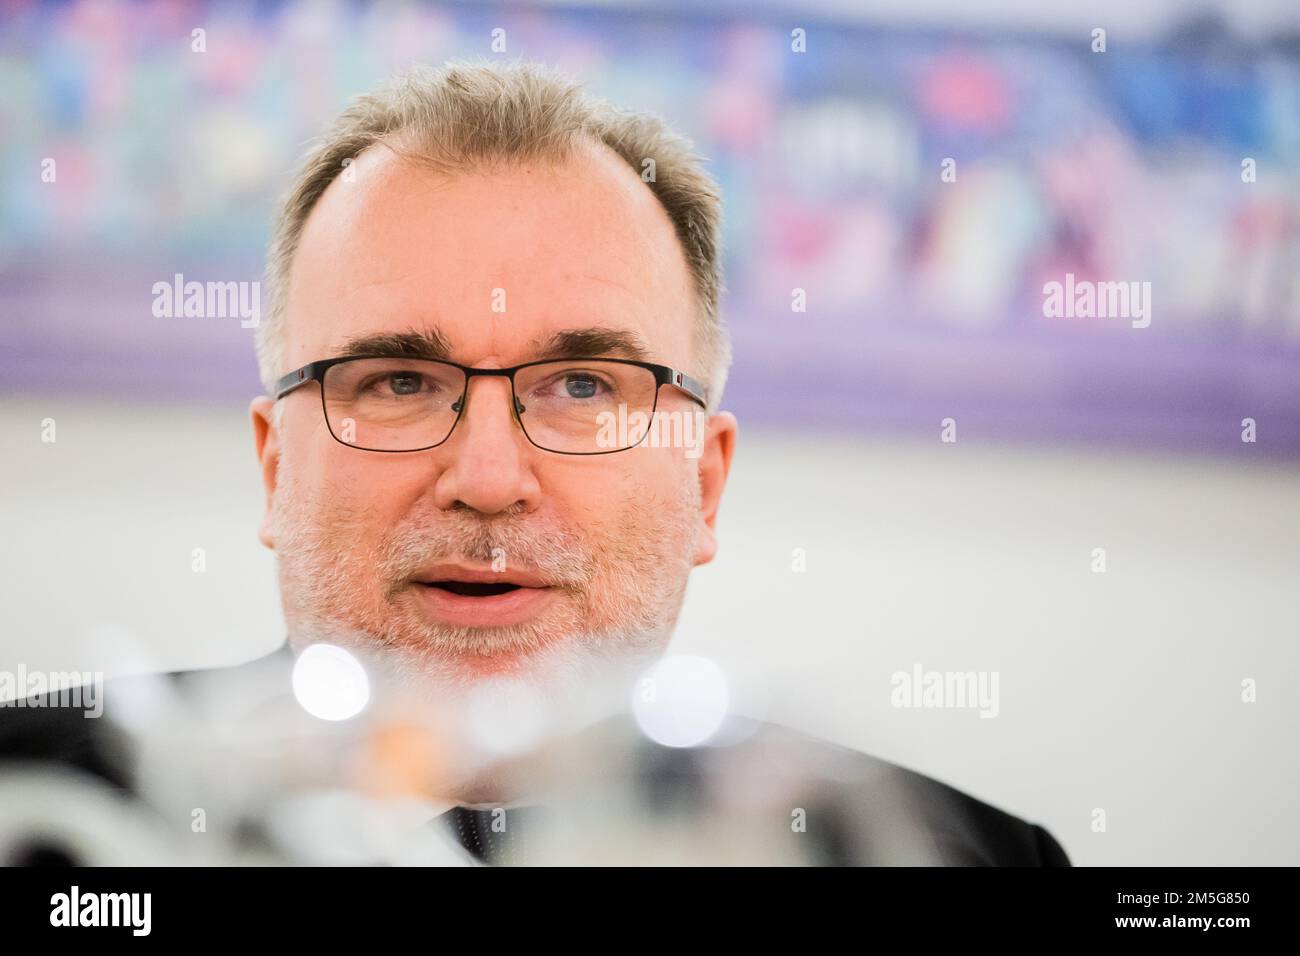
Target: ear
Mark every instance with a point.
(715, 464)
(266, 442)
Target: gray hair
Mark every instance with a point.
(477, 114)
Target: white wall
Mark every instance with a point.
(1118, 691)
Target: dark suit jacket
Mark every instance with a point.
(863, 811)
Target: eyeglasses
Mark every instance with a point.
(580, 406)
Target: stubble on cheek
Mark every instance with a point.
(323, 551)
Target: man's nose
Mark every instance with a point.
(488, 458)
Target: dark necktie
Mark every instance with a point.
(496, 836)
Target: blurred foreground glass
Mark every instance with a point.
(568, 406)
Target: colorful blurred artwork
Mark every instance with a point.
(897, 203)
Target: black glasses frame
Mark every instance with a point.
(315, 372)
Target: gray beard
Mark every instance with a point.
(621, 596)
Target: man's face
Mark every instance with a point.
(489, 262)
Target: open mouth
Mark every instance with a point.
(446, 595)
(468, 596)
(472, 588)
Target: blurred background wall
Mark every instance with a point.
(922, 300)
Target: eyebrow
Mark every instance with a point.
(429, 344)
(570, 343)
(590, 343)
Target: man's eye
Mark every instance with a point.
(581, 386)
(385, 386)
(402, 383)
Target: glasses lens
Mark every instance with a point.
(385, 404)
(585, 407)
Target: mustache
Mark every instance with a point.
(559, 555)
